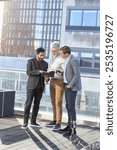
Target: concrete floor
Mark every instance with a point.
(12, 137)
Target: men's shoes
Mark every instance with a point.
(56, 127)
(67, 128)
(69, 133)
(24, 126)
(34, 124)
(52, 123)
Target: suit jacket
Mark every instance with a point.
(33, 72)
(72, 73)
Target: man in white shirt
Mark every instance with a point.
(56, 85)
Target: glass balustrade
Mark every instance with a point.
(87, 104)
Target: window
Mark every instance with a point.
(39, 20)
(38, 32)
(74, 15)
(40, 4)
(54, 5)
(89, 18)
(86, 59)
(89, 59)
(24, 4)
(37, 43)
(98, 19)
(83, 19)
(97, 61)
(50, 4)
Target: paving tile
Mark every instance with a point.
(12, 137)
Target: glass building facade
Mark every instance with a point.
(29, 24)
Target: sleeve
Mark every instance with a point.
(46, 66)
(76, 70)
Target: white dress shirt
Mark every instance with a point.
(56, 63)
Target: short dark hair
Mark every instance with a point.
(39, 50)
(66, 49)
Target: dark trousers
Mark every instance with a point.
(70, 97)
(35, 94)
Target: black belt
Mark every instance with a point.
(56, 79)
(65, 84)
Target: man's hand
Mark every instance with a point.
(68, 86)
(46, 78)
(59, 74)
(41, 71)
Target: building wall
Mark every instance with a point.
(83, 39)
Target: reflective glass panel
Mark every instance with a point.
(98, 19)
(86, 60)
(89, 18)
(75, 18)
(97, 61)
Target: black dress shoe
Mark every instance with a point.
(69, 133)
(51, 124)
(67, 128)
(34, 124)
(24, 126)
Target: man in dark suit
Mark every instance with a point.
(35, 86)
(72, 84)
